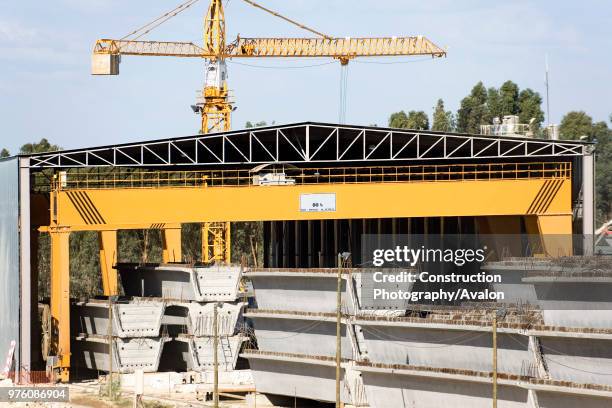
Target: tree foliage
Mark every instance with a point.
(473, 110)
(577, 124)
(40, 147)
(509, 98)
(4, 153)
(530, 103)
(442, 119)
(482, 105)
(574, 125)
(413, 120)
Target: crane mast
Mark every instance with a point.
(214, 105)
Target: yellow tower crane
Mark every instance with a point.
(215, 106)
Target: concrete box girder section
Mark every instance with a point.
(587, 361)
(198, 352)
(423, 387)
(299, 290)
(91, 352)
(142, 317)
(198, 318)
(571, 292)
(301, 334)
(296, 376)
(178, 282)
(134, 319)
(440, 348)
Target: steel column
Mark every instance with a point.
(171, 244)
(60, 301)
(108, 258)
(588, 200)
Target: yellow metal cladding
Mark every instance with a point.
(363, 200)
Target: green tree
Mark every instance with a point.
(442, 119)
(530, 107)
(509, 98)
(4, 153)
(398, 120)
(494, 104)
(413, 120)
(418, 120)
(575, 124)
(473, 110)
(601, 134)
(40, 147)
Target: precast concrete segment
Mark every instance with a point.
(143, 317)
(197, 318)
(308, 334)
(311, 377)
(468, 350)
(302, 290)
(568, 354)
(197, 352)
(138, 318)
(181, 282)
(586, 361)
(386, 390)
(427, 387)
(473, 324)
(91, 352)
(571, 292)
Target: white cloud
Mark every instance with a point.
(12, 32)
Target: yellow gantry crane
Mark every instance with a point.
(215, 106)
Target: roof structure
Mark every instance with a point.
(309, 142)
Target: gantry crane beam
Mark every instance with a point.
(338, 48)
(123, 207)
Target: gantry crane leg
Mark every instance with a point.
(60, 301)
(108, 258)
(171, 244)
(554, 232)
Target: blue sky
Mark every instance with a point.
(46, 89)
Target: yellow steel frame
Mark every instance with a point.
(542, 197)
(255, 203)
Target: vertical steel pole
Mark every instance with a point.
(338, 331)
(110, 348)
(215, 357)
(495, 360)
(588, 200)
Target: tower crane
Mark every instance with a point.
(215, 106)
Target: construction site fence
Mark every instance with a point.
(135, 178)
